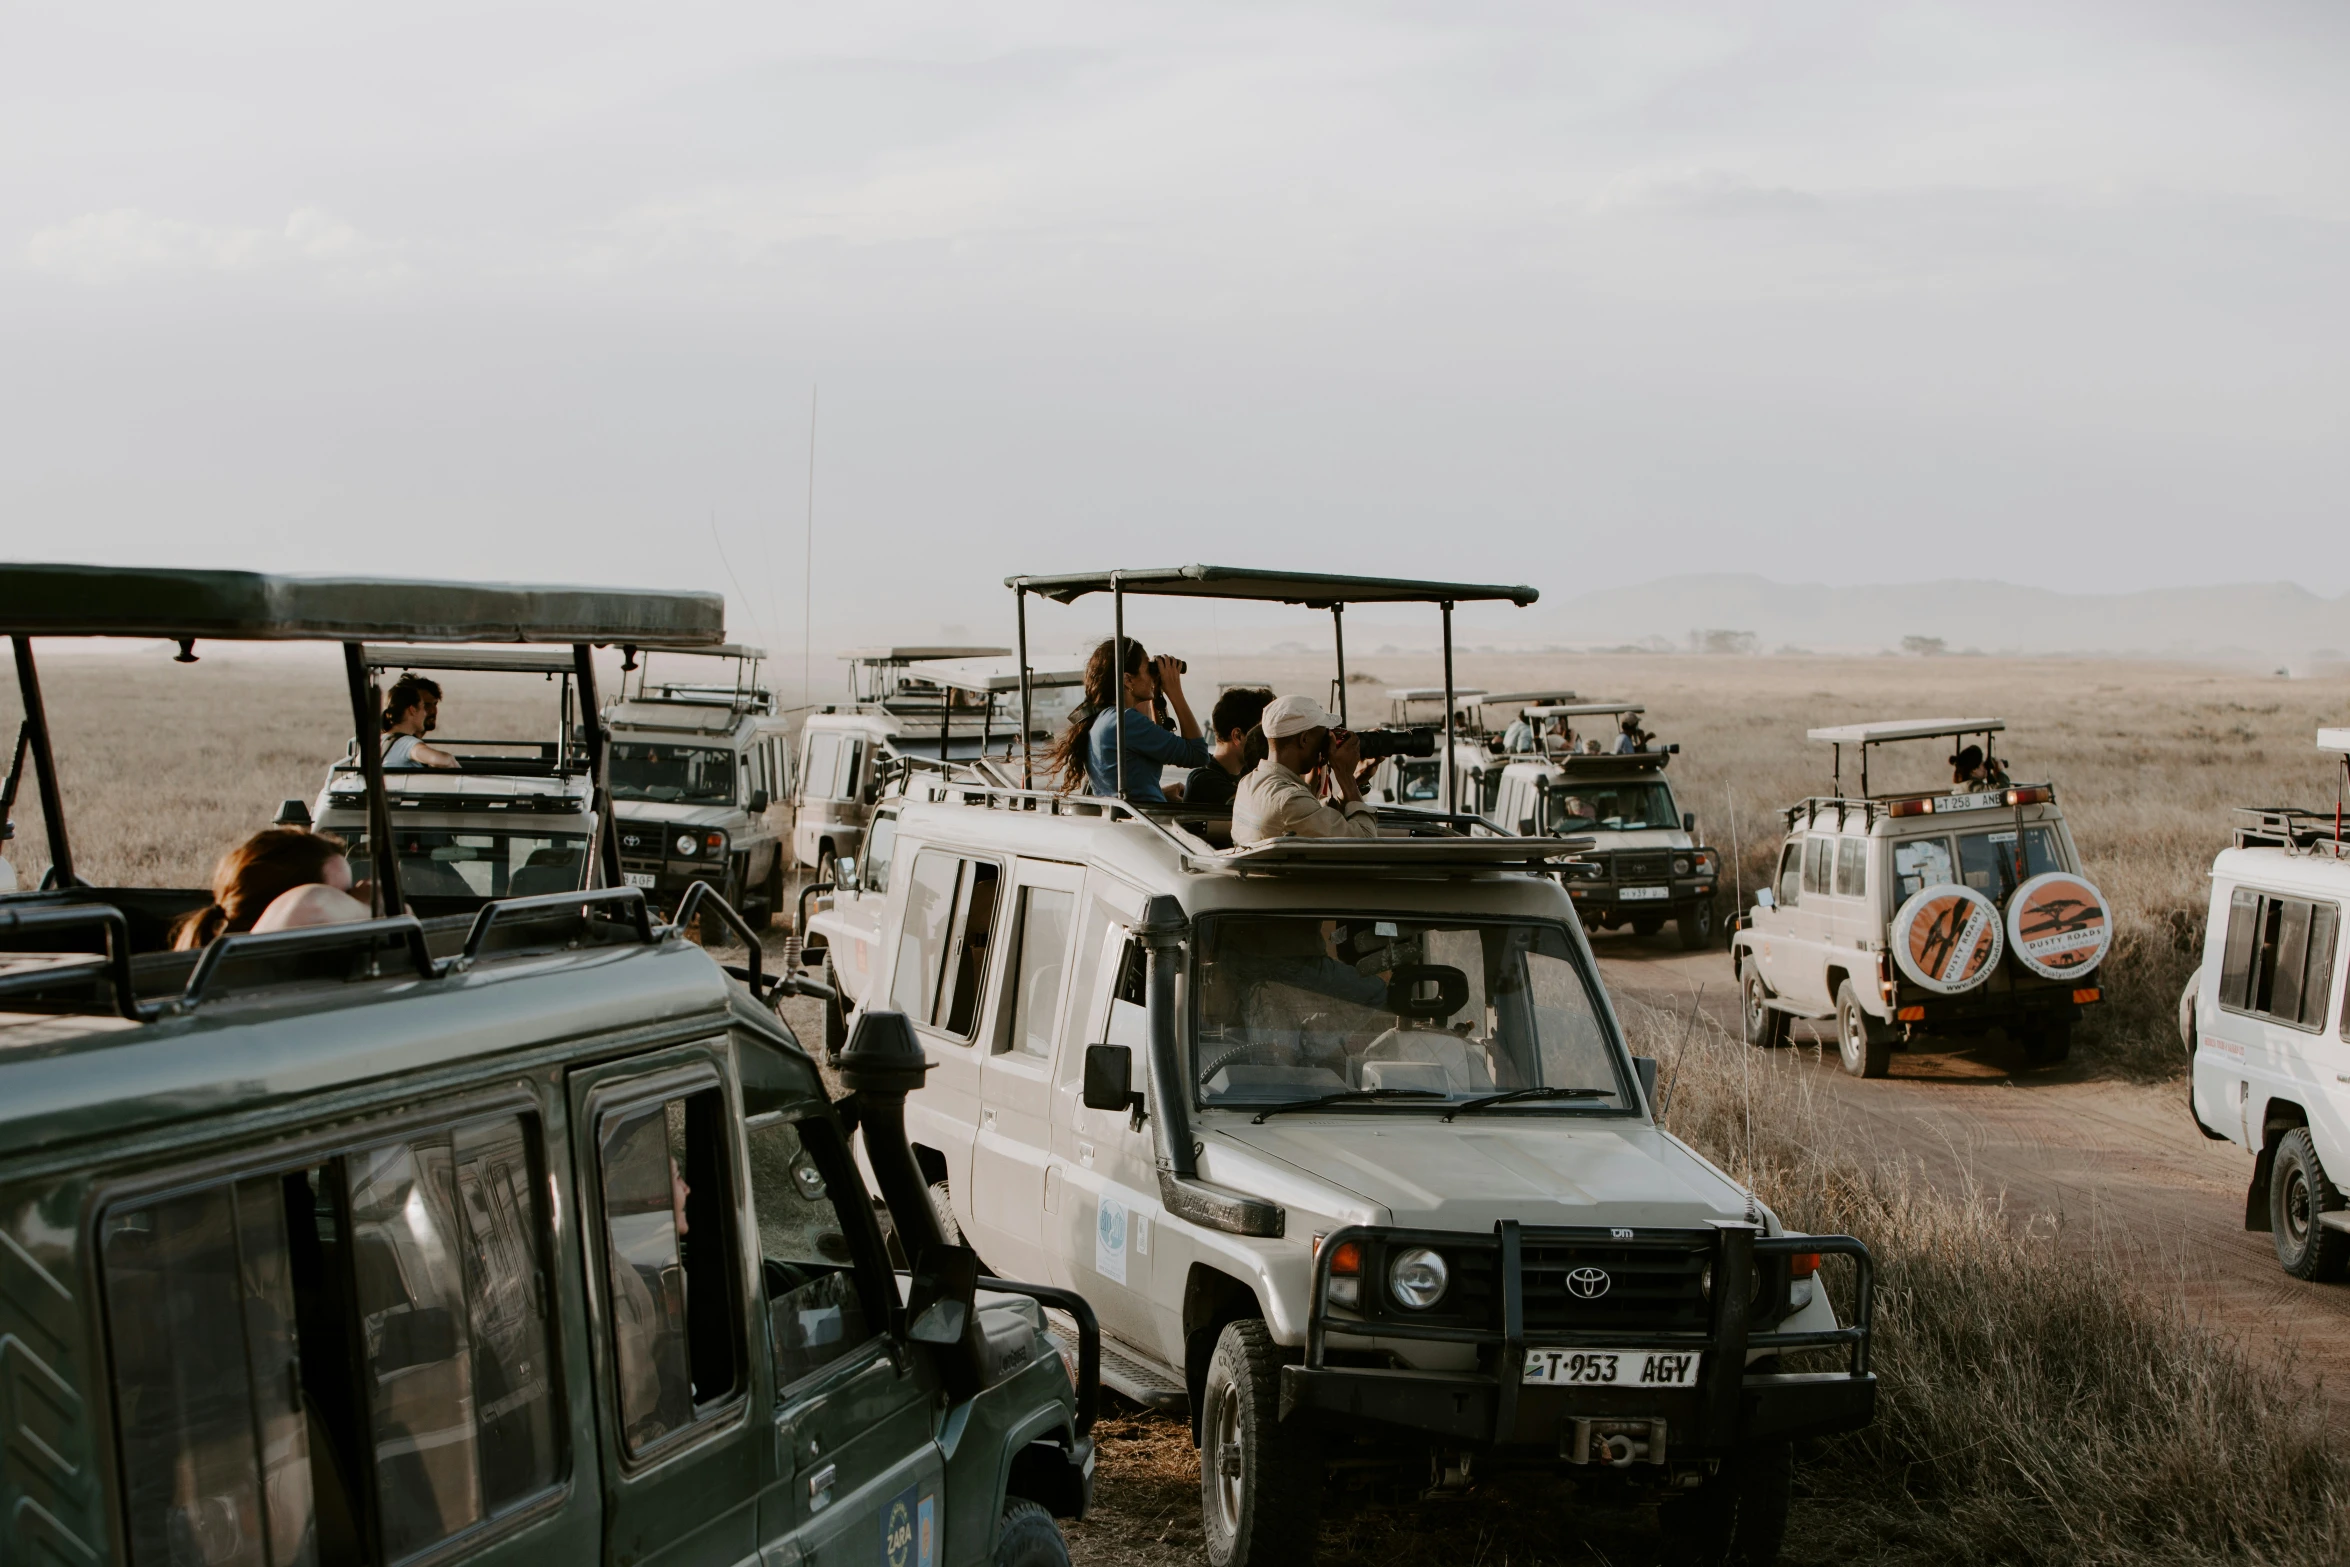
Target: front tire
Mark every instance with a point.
(1766, 1025)
(1648, 925)
(1260, 1480)
(1863, 1044)
(1695, 926)
(761, 910)
(2298, 1191)
(1738, 1517)
(1028, 1537)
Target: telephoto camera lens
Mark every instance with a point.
(1378, 743)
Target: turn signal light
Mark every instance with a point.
(1803, 1264)
(1346, 1275)
(1910, 1015)
(2082, 998)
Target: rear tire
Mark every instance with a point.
(1028, 1537)
(761, 913)
(2298, 1191)
(1695, 926)
(2047, 1044)
(1863, 1044)
(827, 866)
(1738, 1518)
(1766, 1025)
(1260, 1480)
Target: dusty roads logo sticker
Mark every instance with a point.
(1947, 938)
(2058, 925)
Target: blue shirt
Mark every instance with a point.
(1148, 748)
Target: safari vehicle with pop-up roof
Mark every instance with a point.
(1645, 865)
(513, 818)
(1476, 750)
(2267, 1026)
(528, 1235)
(697, 768)
(1342, 1139)
(1911, 913)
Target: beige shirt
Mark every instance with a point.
(1273, 802)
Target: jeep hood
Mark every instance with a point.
(1465, 1175)
(676, 813)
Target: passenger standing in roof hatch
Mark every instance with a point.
(1086, 755)
(1237, 711)
(411, 711)
(1274, 801)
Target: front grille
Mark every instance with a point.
(1639, 865)
(1651, 1288)
(642, 842)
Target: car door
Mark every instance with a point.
(1811, 923)
(1014, 1143)
(945, 935)
(1102, 1192)
(1850, 928)
(670, 1297)
(856, 1474)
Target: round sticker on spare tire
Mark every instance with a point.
(1947, 938)
(2058, 925)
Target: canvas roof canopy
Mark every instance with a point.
(1433, 694)
(1583, 709)
(499, 660)
(996, 676)
(1522, 698)
(153, 601)
(917, 655)
(1313, 590)
(2337, 740)
(1905, 729)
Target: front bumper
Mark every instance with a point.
(1602, 900)
(1731, 1406)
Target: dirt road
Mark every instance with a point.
(2121, 1159)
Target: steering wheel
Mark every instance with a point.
(1230, 1056)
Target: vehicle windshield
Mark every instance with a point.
(1625, 806)
(1293, 1007)
(693, 774)
(1417, 779)
(440, 868)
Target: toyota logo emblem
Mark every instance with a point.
(1587, 1283)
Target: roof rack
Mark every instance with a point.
(1892, 731)
(1582, 709)
(2291, 827)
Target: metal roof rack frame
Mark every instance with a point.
(1889, 732)
(1311, 590)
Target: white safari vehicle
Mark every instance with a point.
(1645, 865)
(1342, 1141)
(1476, 751)
(2266, 1027)
(697, 765)
(1902, 914)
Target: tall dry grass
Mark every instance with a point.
(2046, 1396)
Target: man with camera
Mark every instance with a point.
(1274, 801)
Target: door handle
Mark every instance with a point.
(987, 1120)
(820, 1486)
(1085, 1153)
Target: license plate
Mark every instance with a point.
(1645, 892)
(1612, 1367)
(638, 878)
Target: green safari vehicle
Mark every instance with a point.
(524, 1236)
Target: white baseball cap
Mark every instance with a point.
(1294, 715)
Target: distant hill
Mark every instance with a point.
(2274, 622)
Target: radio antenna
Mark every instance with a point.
(808, 569)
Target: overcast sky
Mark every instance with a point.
(1569, 294)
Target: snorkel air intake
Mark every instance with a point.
(1163, 931)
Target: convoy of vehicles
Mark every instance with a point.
(1907, 913)
(1342, 1140)
(2265, 1023)
(1476, 754)
(526, 1234)
(1645, 865)
(698, 770)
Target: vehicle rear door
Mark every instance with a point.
(945, 936)
(662, 1207)
(857, 1476)
(1014, 1146)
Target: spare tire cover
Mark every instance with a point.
(1947, 938)
(2059, 925)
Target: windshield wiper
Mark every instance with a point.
(1347, 1096)
(1526, 1095)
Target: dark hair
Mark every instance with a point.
(1254, 749)
(251, 876)
(408, 691)
(1966, 761)
(1239, 708)
(1069, 753)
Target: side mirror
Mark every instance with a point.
(844, 875)
(1525, 826)
(293, 813)
(940, 1300)
(1645, 1066)
(1109, 1079)
(1764, 898)
(758, 804)
(1689, 823)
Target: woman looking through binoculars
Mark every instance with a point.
(1086, 755)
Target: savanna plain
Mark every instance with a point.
(2052, 1389)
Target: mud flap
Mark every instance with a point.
(2256, 1196)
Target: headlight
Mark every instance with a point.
(1681, 867)
(686, 844)
(1416, 1278)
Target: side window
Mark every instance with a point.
(755, 766)
(823, 764)
(966, 971)
(852, 761)
(817, 1311)
(2279, 961)
(1040, 955)
(675, 1353)
(881, 839)
(922, 935)
(290, 1347)
(1791, 871)
(1852, 860)
(2235, 971)
(1919, 863)
(1819, 856)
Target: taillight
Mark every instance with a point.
(2037, 794)
(1910, 808)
